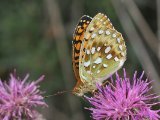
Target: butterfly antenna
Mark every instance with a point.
(58, 93)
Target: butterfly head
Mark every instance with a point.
(81, 88)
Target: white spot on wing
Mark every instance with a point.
(86, 64)
(116, 59)
(92, 28)
(122, 53)
(100, 32)
(98, 49)
(93, 50)
(120, 47)
(98, 60)
(118, 40)
(88, 52)
(107, 49)
(107, 32)
(113, 35)
(94, 66)
(109, 56)
(121, 63)
(93, 35)
(98, 71)
(105, 65)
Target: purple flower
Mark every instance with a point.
(19, 98)
(124, 99)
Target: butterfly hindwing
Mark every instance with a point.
(105, 50)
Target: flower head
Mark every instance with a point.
(18, 98)
(124, 100)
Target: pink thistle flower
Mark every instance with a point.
(124, 100)
(18, 98)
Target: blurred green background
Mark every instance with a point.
(35, 38)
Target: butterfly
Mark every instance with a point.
(99, 50)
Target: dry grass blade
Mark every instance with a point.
(142, 25)
(158, 30)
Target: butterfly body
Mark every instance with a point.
(102, 52)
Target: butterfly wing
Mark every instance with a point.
(103, 50)
(78, 37)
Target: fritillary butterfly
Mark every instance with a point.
(98, 51)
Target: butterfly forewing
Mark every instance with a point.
(78, 37)
(103, 50)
